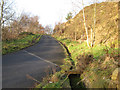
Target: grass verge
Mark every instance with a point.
(97, 62)
(94, 65)
(24, 40)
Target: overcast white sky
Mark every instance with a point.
(49, 11)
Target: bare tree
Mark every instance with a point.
(75, 27)
(58, 28)
(1, 15)
(48, 29)
(84, 19)
(7, 13)
(93, 27)
(86, 29)
(94, 22)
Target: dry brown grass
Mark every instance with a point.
(106, 23)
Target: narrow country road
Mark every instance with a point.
(34, 61)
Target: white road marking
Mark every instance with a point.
(40, 58)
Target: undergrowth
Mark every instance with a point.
(97, 71)
(95, 66)
(24, 40)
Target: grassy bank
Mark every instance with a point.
(90, 63)
(93, 63)
(24, 40)
(96, 67)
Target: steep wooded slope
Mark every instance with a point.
(106, 24)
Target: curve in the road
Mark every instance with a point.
(33, 61)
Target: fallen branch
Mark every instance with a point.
(32, 78)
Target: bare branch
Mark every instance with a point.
(8, 6)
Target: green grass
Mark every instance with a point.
(53, 85)
(98, 52)
(24, 40)
(77, 49)
(96, 67)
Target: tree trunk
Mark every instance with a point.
(75, 35)
(85, 25)
(91, 37)
(75, 30)
(1, 18)
(94, 23)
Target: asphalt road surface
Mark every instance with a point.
(35, 61)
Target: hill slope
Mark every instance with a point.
(106, 24)
(85, 67)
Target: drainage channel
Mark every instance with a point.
(74, 80)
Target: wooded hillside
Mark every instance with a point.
(106, 29)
